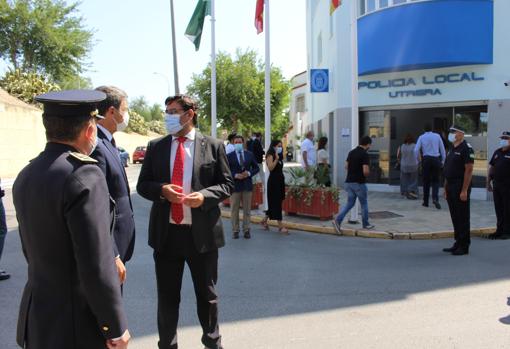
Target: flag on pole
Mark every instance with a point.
(334, 4)
(259, 16)
(196, 23)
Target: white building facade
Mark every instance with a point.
(437, 62)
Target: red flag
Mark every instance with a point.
(259, 16)
(333, 5)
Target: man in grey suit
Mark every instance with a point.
(186, 175)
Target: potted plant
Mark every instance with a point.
(305, 196)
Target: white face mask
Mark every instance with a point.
(122, 126)
(451, 137)
(173, 123)
(93, 145)
(503, 143)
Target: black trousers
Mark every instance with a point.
(502, 207)
(431, 172)
(169, 262)
(460, 214)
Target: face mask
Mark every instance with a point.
(122, 126)
(238, 147)
(451, 137)
(253, 138)
(503, 143)
(279, 150)
(173, 123)
(93, 145)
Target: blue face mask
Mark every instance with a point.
(238, 147)
(503, 143)
(173, 123)
(279, 150)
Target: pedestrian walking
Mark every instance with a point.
(275, 186)
(433, 156)
(3, 232)
(357, 166)
(498, 182)
(72, 298)
(186, 176)
(243, 167)
(322, 172)
(308, 151)
(458, 172)
(408, 162)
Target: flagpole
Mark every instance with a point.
(174, 49)
(213, 70)
(267, 95)
(354, 90)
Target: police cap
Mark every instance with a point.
(454, 129)
(71, 103)
(505, 135)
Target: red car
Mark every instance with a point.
(139, 154)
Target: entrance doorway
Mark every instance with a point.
(388, 128)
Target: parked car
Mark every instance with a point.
(124, 156)
(139, 154)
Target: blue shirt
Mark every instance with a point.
(430, 144)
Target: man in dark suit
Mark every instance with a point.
(72, 298)
(114, 109)
(186, 176)
(243, 167)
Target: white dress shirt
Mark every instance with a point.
(189, 151)
(106, 132)
(308, 147)
(229, 148)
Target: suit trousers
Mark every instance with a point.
(502, 207)
(178, 250)
(460, 214)
(235, 201)
(431, 174)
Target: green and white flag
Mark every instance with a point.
(196, 23)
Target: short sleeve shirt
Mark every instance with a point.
(356, 159)
(322, 155)
(308, 147)
(456, 161)
(501, 162)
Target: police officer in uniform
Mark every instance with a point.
(458, 171)
(72, 297)
(499, 184)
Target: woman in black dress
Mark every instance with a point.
(275, 186)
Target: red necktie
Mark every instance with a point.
(177, 179)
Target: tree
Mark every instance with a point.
(149, 113)
(240, 94)
(44, 37)
(26, 86)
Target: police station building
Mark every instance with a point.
(437, 62)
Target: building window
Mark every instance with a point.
(368, 6)
(319, 49)
(383, 3)
(300, 104)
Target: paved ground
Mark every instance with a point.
(317, 291)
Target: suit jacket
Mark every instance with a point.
(72, 298)
(256, 148)
(124, 229)
(211, 177)
(249, 165)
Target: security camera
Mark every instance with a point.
(507, 83)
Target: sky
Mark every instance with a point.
(132, 41)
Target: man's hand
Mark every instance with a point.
(172, 193)
(194, 200)
(463, 195)
(121, 270)
(120, 343)
(489, 187)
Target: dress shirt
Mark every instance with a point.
(189, 147)
(106, 132)
(229, 148)
(431, 144)
(308, 147)
(241, 163)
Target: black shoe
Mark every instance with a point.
(450, 249)
(247, 234)
(425, 204)
(460, 251)
(498, 236)
(436, 203)
(235, 235)
(4, 275)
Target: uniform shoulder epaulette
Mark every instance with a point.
(83, 158)
(469, 145)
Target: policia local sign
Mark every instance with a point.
(405, 87)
